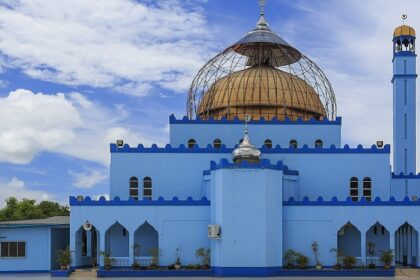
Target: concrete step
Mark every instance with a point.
(408, 272)
(83, 273)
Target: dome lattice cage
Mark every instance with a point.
(264, 77)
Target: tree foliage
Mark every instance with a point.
(27, 209)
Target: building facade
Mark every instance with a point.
(256, 168)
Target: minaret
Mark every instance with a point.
(404, 96)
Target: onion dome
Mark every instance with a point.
(246, 151)
(404, 30)
(284, 95)
(264, 76)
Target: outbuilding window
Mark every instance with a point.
(367, 188)
(268, 143)
(13, 249)
(147, 188)
(354, 189)
(134, 188)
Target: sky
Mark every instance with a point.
(76, 75)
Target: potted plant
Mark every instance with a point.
(315, 248)
(136, 266)
(302, 261)
(205, 255)
(155, 253)
(386, 258)
(338, 255)
(177, 264)
(290, 258)
(349, 261)
(64, 258)
(107, 260)
(371, 253)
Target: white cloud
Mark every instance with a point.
(88, 179)
(17, 188)
(113, 43)
(352, 42)
(71, 125)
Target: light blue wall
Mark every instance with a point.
(280, 134)
(247, 204)
(323, 223)
(116, 242)
(320, 173)
(402, 187)
(404, 106)
(184, 226)
(38, 249)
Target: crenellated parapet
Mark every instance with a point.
(406, 176)
(175, 201)
(263, 164)
(349, 202)
(236, 120)
(275, 150)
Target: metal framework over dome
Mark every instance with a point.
(264, 76)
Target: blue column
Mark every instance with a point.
(404, 104)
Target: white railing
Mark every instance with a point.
(144, 261)
(120, 261)
(375, 260)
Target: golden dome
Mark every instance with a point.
(261, 91)
(404, 30)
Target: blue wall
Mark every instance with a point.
(246, 203)
(38, 248)
(321, 171)
(404, 111)
(184, 226)
(280, 133)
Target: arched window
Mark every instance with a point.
(293, 143)
(318, 143)
(147, 188)
(240, 141)
(134, 188)
(217, 143)
(354, 189)
(191, 143)
(268, 143)
(367, 188)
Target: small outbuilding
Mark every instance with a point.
(31, 245)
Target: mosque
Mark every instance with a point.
(255, 169)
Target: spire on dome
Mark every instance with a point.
(246, 150)
(262, 24)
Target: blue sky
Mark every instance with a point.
(76, 75)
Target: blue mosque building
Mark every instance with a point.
(255, 169)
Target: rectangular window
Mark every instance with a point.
(13, 249)
(405, 126)
(405, 92)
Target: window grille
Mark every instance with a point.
(147, 188)
(367, 188)
(191, 143)
(13, 249)
(354, 189)
(134, 188)
(268, 143)
(217, 143)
